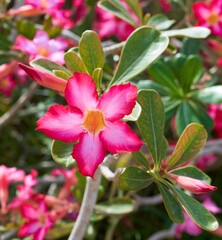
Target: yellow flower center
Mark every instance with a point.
(3, 83)
(44, 3)
(42, 219)
(213, 18)
(43, 51)
(94, 121)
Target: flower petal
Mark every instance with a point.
(88, 153)
(61, 123)
(45, 79)
(29, 212)
(201, 10)
(81, 92)
(118, 101)
(41, 39)
(29, 228)
(118, 137)
(40, 234)
(25, 45)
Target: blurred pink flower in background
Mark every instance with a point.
(39, 220)
(191, 227)
(42, 47)
(205, 162)
(165, 5)
(8, 175)
(216, 47)
(209, 16)
(70, 181)
(215, 111)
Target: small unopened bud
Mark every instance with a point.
(191, 184)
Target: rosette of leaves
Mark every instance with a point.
(151, 125)
(180, 82)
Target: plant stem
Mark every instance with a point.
(88, 203)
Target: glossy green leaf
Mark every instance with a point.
(192, 172)
(149, 84)
(193, 32)
(190, 46)
(160, 22)
(116, 206)
(134, 178)
(192, 141)
(162, 74)
(142, 47)
(61, 153)
(209, 95)
(172, 205)
(164, 148)
(200, 215)
(170, 108)
(61, 74)
(91, 51)
(48, 66)
(136, 8)
(151, 122)
(191, 70)
(97, 77)
(176, 155)
(134, 114)
(26, 28)
(74, 62)
(139, 156)
(118, 9)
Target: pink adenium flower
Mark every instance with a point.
(215, 111)
(206, 161)
(71, 180)
(39, 220)
(8, 175)
(191, 184)
(94, 123)
(165, 5)
(42, 46)
(209, 16)
(191, 227)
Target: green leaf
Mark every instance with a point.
(162, 74)
(136, 8)
(91, 51)
(26, 28)
(164, 148)
(190, 46)
(134, 178)
(191, 71)
(118, 9)
(193, 32)
(200, 215)
(149, 84)
(142, 47)
(176, 155)
(192, 172)
(139, 156)
(61, 74)
(151, 122)
(192, 141)
(170, 108)
(61, 153)
(160, 22)
(74, 62)
(116, 206)
(209, 95)
(97, 77)
(48, 66)
(172, 205)
(5, 44)
(134, 114)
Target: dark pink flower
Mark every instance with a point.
(215, 111)
(206, 161)
(61, 18)
(39, 221)
(209, 16)
(191, 227)
(42, 46)
(8, 175)
(70, 181)
(165, 5)
(94, 123)
(191, 184)
(46, 4)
